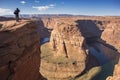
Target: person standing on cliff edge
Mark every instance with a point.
(16, 12)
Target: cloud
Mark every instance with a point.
(5, 11)
(37, 1)
(22, 2)
(51, 5)
(43, 8)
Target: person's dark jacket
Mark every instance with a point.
(16, 12)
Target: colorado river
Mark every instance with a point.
(44, 40)
(98, 53)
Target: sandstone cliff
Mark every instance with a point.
(89, 26)
(49, 22)
(111, 36)
(66, 39)
(67, 55)
(19, 51)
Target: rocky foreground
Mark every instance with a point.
(19, 50)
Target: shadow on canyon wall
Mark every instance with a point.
(89, 29)
(44, 32)
(92, 34)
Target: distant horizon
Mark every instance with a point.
(60, 15)
(74, 7)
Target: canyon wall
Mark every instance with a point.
(111, 36)
(66, 39)
(19, 51)
(89, 26)
(67, 42)
(49, 22)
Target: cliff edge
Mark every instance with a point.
(19, 50)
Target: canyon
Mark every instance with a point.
(60, 48)
(79, 38)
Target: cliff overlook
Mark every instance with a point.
(19, 50)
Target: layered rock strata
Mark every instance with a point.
(66, 41)
(111, 36)
(19, 51)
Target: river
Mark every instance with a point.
(97, 51)
(44, 40)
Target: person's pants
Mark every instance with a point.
(17, 18)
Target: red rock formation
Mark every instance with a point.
(89, 26)
(19, 51)
(111, 36)
(49, 22)
(66, 41)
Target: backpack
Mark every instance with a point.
(15, 12)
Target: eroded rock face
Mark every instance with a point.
(89, 27)
(112, 35)
(44, 31)
(19, 51)
(49, 22)
(66, 41)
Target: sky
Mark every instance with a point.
(75, 7)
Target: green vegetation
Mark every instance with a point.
(90, 74)
(107, 70)
(46, 51)
(100, 72)
(48, 54)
